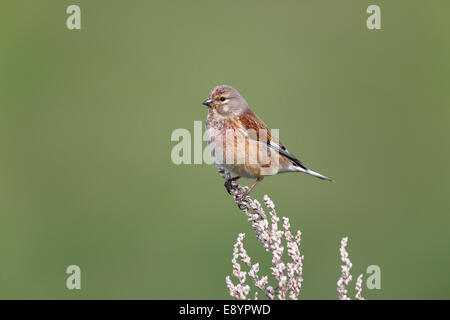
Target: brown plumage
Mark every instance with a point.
(241, 143)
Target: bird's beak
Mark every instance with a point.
(207, 102)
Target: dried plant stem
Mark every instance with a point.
(358, 288)
(346, 277)
(288, 275)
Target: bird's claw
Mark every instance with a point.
(228, 185)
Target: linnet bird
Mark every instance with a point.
(242, 144)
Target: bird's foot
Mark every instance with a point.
(228, 185)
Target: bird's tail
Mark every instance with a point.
(313, 173)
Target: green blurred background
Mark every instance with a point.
(86, 119)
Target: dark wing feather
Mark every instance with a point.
(282, 150)
(251, 121)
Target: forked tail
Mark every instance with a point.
(314, 174)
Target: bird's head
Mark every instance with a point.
(226, 101)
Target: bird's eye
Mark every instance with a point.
(222, 99)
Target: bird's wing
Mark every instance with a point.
(251, 122)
